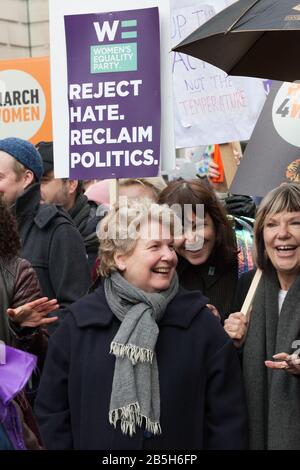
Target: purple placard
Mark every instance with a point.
(113, 62)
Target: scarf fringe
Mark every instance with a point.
(130, 417)
(134, 353)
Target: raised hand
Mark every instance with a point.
(33, 313)
(284, 361)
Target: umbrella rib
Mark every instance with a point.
(238, 19)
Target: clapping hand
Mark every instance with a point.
(33, 313)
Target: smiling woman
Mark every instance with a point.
(211, 267)
(270, 361)
(169, 358)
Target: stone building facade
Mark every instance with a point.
(24, 28)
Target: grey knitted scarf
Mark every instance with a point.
(273, 396)
(135, 390)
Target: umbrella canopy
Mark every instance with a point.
(251, 38)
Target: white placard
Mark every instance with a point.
(210, 107)
(59, 88)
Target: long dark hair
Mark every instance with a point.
(9, 238)
(196, 192)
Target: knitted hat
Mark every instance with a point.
(46, 151)
(25, 153)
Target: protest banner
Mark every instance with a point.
(273, 154)
(25, 105)
(210, 107)
(112, 116)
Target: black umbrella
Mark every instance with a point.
(251, 38)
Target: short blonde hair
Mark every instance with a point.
(120, 230)
(157, 184)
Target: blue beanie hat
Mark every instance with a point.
(25, 153)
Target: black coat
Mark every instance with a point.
(218, 283)
(202, 398)
(86, 216)
(53, 246)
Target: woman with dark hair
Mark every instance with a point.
(22, 312)
(21, 307)
(211, 267)
(271, 337)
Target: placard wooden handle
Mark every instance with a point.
(251, 293)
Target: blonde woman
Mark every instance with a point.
(141, 363)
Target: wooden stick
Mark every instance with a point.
(113, 191)
(251, 293)
(229, 161)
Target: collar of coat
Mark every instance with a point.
(29, 204)
(180, 312)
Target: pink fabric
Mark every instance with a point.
(99, 192)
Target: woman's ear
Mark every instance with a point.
(120, 261)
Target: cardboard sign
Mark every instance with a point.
(211, 107)
(114, 94)
(25, 104)
(273, 154)
(111, 88)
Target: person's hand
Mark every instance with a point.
(214, 311)
(213, 170)
(287, 362)
(33, 313)
(236, 326)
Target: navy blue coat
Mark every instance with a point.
(202, 398)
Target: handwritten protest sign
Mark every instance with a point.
(210, 106)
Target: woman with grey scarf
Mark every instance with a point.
(272, 336)
(140, 363)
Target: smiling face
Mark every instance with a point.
(151, 266)
(189, 248)
(282, 243)
(12, 186)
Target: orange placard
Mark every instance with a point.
(25, 100)
(217, 158)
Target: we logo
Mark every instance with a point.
(109, 30)
(112, 53)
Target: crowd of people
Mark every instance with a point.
(122, 327)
